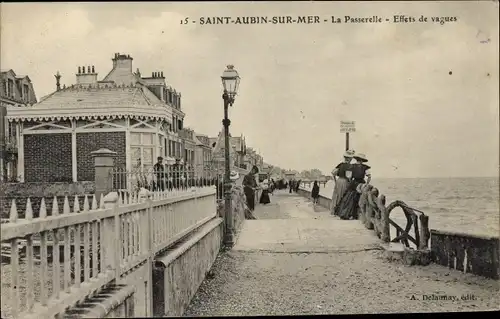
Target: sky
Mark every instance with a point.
(424, 96)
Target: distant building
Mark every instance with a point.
(239, 145)
(218, 153)
(137, 117)
(203, 154)
(189, 145)
(253, 158)
(15, 91)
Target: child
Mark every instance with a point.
(315, 192)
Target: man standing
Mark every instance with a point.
(159, 170)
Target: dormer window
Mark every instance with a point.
(26, 92)
(10, 92)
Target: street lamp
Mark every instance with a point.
(230, 82)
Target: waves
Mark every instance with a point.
(469, 205)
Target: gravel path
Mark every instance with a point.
(256, 283)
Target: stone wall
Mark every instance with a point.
(322, 201)
(468, 253)
(182, 269)
(239, 207)
(47, 157)
(36, 191)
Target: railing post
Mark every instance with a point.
(150, 261)
(109, 243)
(103, 164)
(424, 232)
(384, 220)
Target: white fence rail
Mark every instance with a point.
(72, 253)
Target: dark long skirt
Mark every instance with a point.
(348, 205)
(250, 196)
(264, 197)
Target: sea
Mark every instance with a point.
(465, 205)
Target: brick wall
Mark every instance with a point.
(86, 143)
(47, 158)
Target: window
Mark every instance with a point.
(161, 142)
(11, 88)
(26, 92)
(142, 150)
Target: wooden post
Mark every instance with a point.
(369, 208)
(424, 232)
(384, 220)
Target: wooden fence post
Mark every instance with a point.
(384, 220)
(370, 208)
(110, 244)
(424, 232)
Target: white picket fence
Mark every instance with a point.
(97, 245)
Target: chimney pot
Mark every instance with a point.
(79, 70)
(88, 69)
(93, 69)
(161, 73)
(83, 69)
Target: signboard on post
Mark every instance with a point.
(347, 126)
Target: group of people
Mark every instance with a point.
(349, 177)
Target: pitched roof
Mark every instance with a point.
(97, 100)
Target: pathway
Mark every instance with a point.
(294, 260)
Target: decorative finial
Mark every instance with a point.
(58, 78)
(230, 66)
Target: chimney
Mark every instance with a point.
(86, 78)
(138, 72)
(122, 61)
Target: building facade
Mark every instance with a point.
(203, 153)
(189, 145)
(239, 145)
(137, 117)
(15, 91)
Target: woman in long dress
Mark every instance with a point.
(264, 197)
(249, 186)
(341, 180)
(349, 204)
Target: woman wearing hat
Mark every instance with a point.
(264, 197)
(348, 206)
(341, 179)
(249, 187)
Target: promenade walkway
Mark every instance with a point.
(298, 260)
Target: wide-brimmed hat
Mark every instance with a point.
(361, 156)
(234, 175)
(349, 153)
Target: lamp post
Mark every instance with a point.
(230, 82)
